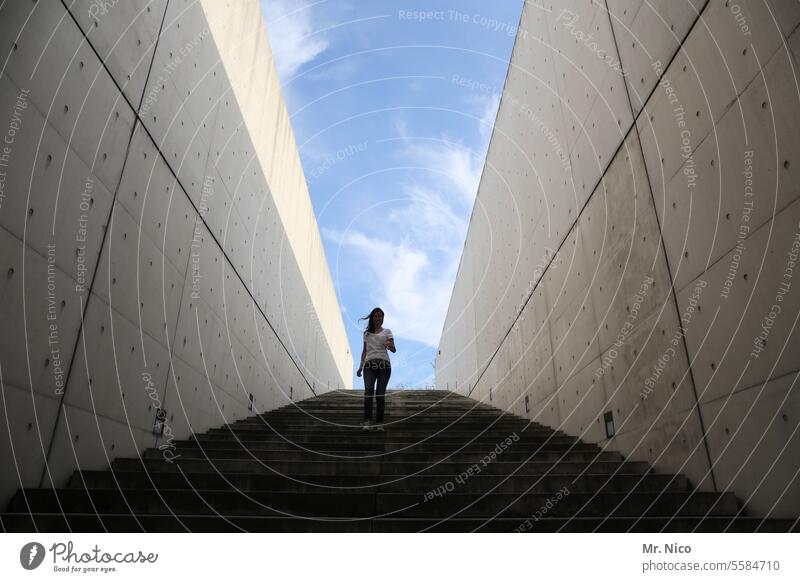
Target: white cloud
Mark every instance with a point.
(430, 220)
(413, 291)
(400, 125)
(490, 107)
(338, 73)
(409, 268)
(451, 163)
(291, 34)
(410, 271)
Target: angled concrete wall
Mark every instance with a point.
(159, 249)
(632, 251)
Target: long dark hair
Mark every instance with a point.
(370, 323)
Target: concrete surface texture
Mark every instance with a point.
(162, 271)
(629, 274)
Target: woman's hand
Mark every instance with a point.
(358, 373)
(389, 344)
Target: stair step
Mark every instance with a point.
(367, 437)
(444, 463)
(332, 431)
(552, 453)
(588, 483)
(364, 504)
(362, 448)
(121, 523)
(413, 456)
(374, 467)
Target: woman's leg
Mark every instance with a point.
(370, 376)
(383, 380)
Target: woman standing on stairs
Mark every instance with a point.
(376, 366)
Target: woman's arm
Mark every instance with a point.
(363, 355)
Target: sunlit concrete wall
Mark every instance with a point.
(158, 247)
(633, 245)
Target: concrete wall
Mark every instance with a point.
(158, 247)
(634, 235)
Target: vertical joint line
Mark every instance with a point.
(78, 339)
(673, 293)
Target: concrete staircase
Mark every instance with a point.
(444, 463)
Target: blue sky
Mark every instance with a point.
(392, 105)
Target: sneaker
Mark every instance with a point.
(378, 427)
(366, 425)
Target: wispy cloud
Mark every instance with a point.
(403, 255)
(490, 106)
(337, 73)
(412, 290)
(291, 34)
(430, 219)
(452, 165)
(412, 274)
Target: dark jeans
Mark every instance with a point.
(375, 371)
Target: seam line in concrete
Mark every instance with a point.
(728, 106)
(673, 292)
(228, 259)
(752, 386)
(753, 232)
(85, 307)
(567, 232)
(579, 213)
(186, 283)
(191, 202)
(194, 206)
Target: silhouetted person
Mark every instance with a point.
(376, 366)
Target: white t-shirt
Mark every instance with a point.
(375, 347)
